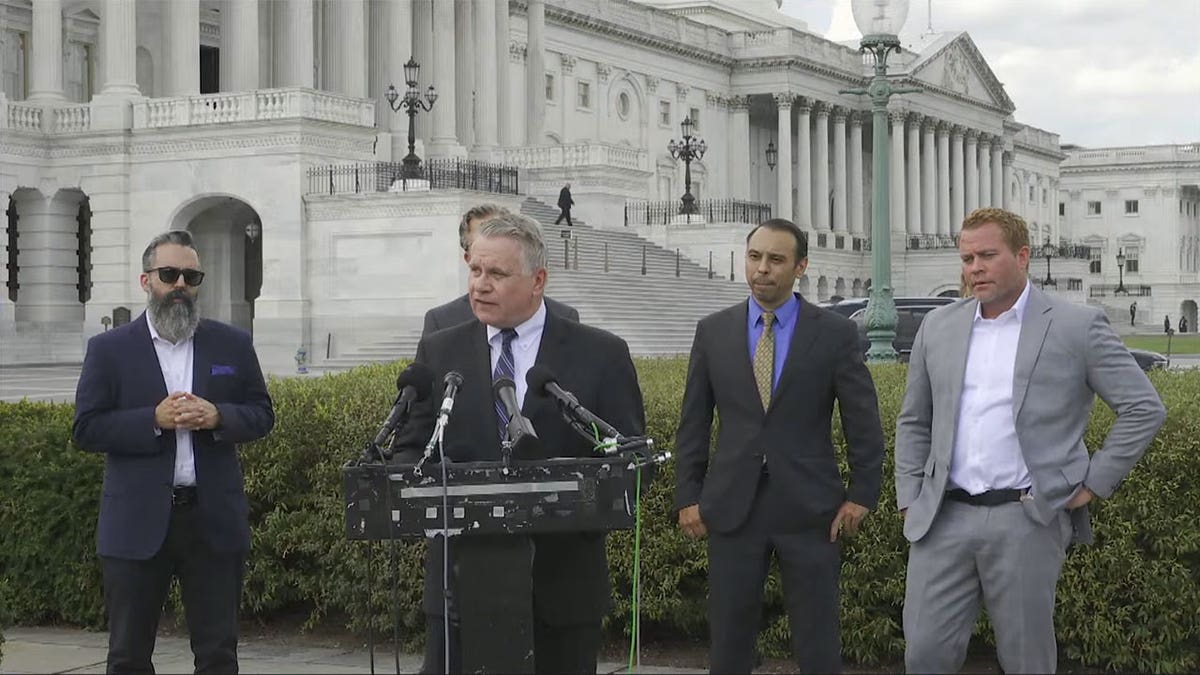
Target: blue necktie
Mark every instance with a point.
(505, 367)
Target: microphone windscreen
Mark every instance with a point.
(419, 376)
(453, 378)
(501, 383)
(538, 377)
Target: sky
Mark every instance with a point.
(1097, 72)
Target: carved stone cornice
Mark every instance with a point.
(651, 84)
(858, 118)
(972, 136)
(713, 100)
(956, 132)
(897, 117)
(738, 102)
(568, 63)
(839, 114)
(821, 108)
(915, 119)
(804, 105)
(603, 72)
(682, 91)
(784, 99)
(929, 124)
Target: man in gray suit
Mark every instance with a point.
(458, 311)
(992, 475)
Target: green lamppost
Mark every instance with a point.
(880, 21)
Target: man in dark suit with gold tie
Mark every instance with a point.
(771, 368)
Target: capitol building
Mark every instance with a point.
(264, 127)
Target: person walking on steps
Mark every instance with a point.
(565, 203)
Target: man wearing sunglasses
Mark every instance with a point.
(167, 398)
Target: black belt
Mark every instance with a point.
(183, 495)
(989, 498)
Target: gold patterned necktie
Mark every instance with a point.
(764, 359)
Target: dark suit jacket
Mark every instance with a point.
(564, 199)
(119, 388)
(458, 311)
(570, 571)
(824, 364)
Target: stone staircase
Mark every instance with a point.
(602, 277)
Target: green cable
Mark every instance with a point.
(637, 569)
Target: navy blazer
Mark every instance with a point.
(119, 388)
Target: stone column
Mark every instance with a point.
(445, 115)
(783, 200)
(985, 171)
(1006, 190)
(972, 166)
(48, 259)
(739, 137)
(999, 185)
(929, 208)
(46, 64)
(294, 54)
(181, 40)
(118, 29)
(239, 45)
(464, 71)
(896, 189)
(957, 198)
(345, 40)
(535, 73)
(821, 167)
(486, 121)
(839, 169)
(804, 163)
(423, 38)
(856, 174)
(913, 181)
(392, 31)
(943, 152)
(503, 86)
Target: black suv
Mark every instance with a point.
(910, 313)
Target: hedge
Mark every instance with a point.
(1130, 602)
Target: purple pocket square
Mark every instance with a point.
(223, 370)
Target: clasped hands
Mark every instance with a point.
(183, 410)
(847, 521)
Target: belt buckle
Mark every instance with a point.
(1026, 495)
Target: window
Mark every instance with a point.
(1094, 262)
(1045, 196)
(664, 113)
(1062, 208)
(549, 86)
(1131, 260)
(1131, 207)
(1093, 208)
(1031, 189)
(694, 115)
(623, 105)
(584, 90)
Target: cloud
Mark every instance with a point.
(1097, 72)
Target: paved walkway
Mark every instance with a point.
(38, 383)
(66, 650)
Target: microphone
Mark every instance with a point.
(519, 426)
(543, 381)
(453, 381)
(415, 384)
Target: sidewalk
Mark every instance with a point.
(67, 650)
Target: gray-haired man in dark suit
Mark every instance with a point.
(458, 311)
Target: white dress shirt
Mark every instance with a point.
(524, 348)
(987, 454)
(175, 361)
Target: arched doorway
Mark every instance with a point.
(229, 239)
(1187, 309)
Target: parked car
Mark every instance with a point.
(849, 306)
(1148, 360)
(909, 313)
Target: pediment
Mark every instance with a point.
(958, 66)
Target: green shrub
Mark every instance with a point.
(1128, 603)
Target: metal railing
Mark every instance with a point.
(711, 210)
(441, 174)
(1105, 290)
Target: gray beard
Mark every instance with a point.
(175, 322)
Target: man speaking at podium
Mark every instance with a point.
(512, 331)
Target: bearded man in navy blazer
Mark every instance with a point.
(167, 398)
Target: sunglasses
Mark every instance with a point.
(169, 275)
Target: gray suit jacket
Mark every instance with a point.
(458, 311)
(1067, 355)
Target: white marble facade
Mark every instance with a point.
(123, 103)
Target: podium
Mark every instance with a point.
(486, 514)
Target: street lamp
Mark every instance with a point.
(690, 148)
(1120, 272)
(412, 104)
(1048, 252)
(772, 155)
(880, 21)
